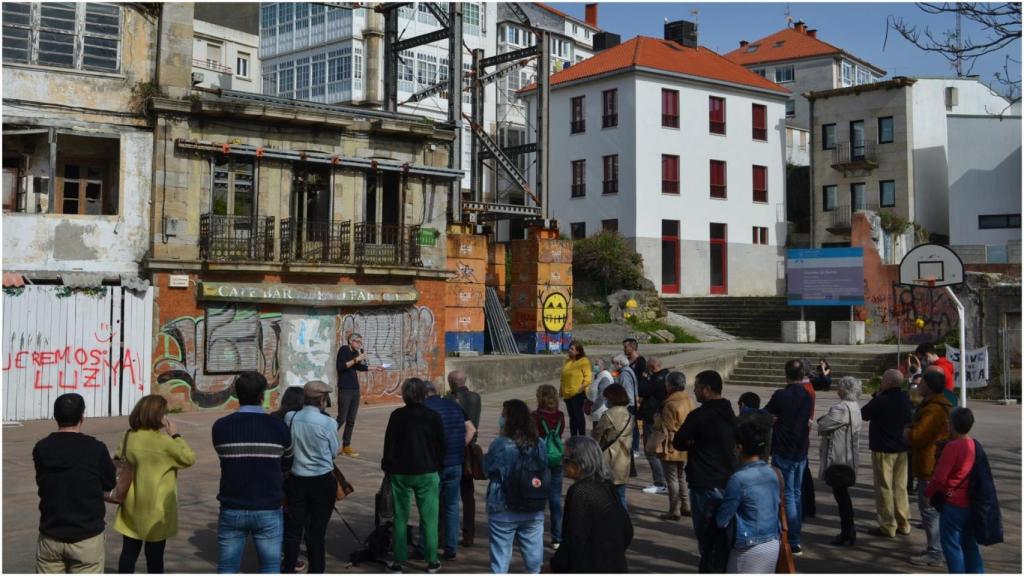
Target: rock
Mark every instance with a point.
(637, 303)
(665, 335)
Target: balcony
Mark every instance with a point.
(842, 216)
(847, 156)
(236, 238)
(318, 242)
(211, 65)
(387, 245)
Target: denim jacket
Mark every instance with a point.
(752, 497)
(501, 455)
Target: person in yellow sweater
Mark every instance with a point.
(576, 377)
(149, 513)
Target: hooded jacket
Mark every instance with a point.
(73, 471)
(709, 437)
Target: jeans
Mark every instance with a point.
(657, 472)
(531, 543)
(620, 489)
(577, 419)
(555, 504)
(702, 501)
(842, 496)
(451, 478)
(235, 525)
(130, 550)
(466, 491)
(310, 504)
(929, 520)
(426, 488)
(807, 495)
(958, 543)
(793, 475)
(348, 407)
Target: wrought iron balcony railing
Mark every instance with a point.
(236, 238)
(316, 241)
(387, 245)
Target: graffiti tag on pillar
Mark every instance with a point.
(556, 312)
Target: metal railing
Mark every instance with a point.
(387, 245)
(846, 154)
(211, 65)
(236, 238)
(842, 215)
(316, 241)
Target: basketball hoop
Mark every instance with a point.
(928, 282)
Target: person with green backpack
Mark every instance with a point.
(550, 423)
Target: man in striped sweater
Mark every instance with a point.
(255, 449)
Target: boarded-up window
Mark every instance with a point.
(232, 338)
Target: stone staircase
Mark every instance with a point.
(767, 368)
(754, 318)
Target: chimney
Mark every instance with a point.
(743, 43)
(812, 33)
(682, 32)
(591, 18)
(800, 26)
(605, 40)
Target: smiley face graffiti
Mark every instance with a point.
(556, 312)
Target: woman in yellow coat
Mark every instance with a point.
(677, 407)
(149, 513)
(576, 377)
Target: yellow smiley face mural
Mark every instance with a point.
(556, 312)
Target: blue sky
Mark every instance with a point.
(858, 28)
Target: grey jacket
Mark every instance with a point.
(840, 436)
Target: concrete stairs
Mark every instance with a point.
(754, 318)
(767, 367)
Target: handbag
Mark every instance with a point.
(938, 499)
(655, 443)
(841, 475)
(785, 563)
(607, 445)
(473, 462)
(344, 487)
(125, 474)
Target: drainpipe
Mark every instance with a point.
(812, 149)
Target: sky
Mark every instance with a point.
(858, 28)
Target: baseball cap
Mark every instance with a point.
(317, 388)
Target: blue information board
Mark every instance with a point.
(825, 277)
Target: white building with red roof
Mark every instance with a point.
(682, 152)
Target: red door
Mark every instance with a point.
(670, 257)
(719, 260)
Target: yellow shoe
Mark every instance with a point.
(348, 451)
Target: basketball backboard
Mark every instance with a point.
(931, 265)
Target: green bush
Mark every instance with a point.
(652, 326)
(586, 314)
(607, 261)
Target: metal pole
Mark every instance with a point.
(477, 113)
(963, 347)
(543, 122)
(390, 61)
(455, 103)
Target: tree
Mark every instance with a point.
(607, 262)
(1000, 23)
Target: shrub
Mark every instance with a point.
(606, 260)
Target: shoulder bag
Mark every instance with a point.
(841, 475)
(938, 499)
(786, 563)
(344, 487)
(125, 474)
(473, 462)
(606, 445)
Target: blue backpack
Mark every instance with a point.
(528, 483)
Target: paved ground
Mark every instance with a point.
(658, 546)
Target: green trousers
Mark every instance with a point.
(426, 487)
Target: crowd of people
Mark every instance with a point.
(739, 478)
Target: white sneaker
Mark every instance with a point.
(652, 489)
(662, 490)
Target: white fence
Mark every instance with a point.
(97, 343)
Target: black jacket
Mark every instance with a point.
(470, 403)
(709, 435)
(414, 441)
(73, 471)
(792, 407)
(596, 531)
(652, 395)
(889, 413)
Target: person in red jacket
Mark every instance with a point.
(953, 477)
(926, 356)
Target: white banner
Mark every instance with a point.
(977, 366)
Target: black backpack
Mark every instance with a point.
(528, 483)
(986, 517)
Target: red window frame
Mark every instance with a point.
(759, 115)
(716, 114)
(611, 174)
(579, 178)
(761, 235)
(760, 179)
(669, 108)
(719, 184)
(610, 108)
(578, 118)
(669, 174)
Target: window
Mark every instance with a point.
(80, 189)
(885, 130)
(992, 221)
(242, 65)
(611, 174)
(302, 78)
(828, 136)
(670, 108)
(579, 118)
(760, 72)
(610, 114)
(863, 76)
(858, 199)
(760, 235)
(579, 178)
(234, 193)
(753, 48)
(783, 74)
(718, 189)
(759, 113)
(887, 193)
(790, 107)
(716, 114)
(611, 225)
(318, 74)
(579, 230)
(82, 36)
(828, 198)
(214, 53)
(669, 174)
(760, 177)
(471, 18)
(847, 74)
(857, 140)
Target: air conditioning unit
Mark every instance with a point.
(197, 78)
(952, 96)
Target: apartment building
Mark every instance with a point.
(225, 50)
(680, 151)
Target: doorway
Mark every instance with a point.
(670, 257)
(719, 259)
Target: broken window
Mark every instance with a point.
(86, 173)
(83, 36)
(234, 192)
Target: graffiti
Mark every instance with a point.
(196, 353)
(306, 354)
(913, 313)
(83, 367)
(464, 273)
(402, 341)
(556, 312)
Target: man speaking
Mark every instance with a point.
(351, 359)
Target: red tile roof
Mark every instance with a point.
(786, 44)
(665, 55)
